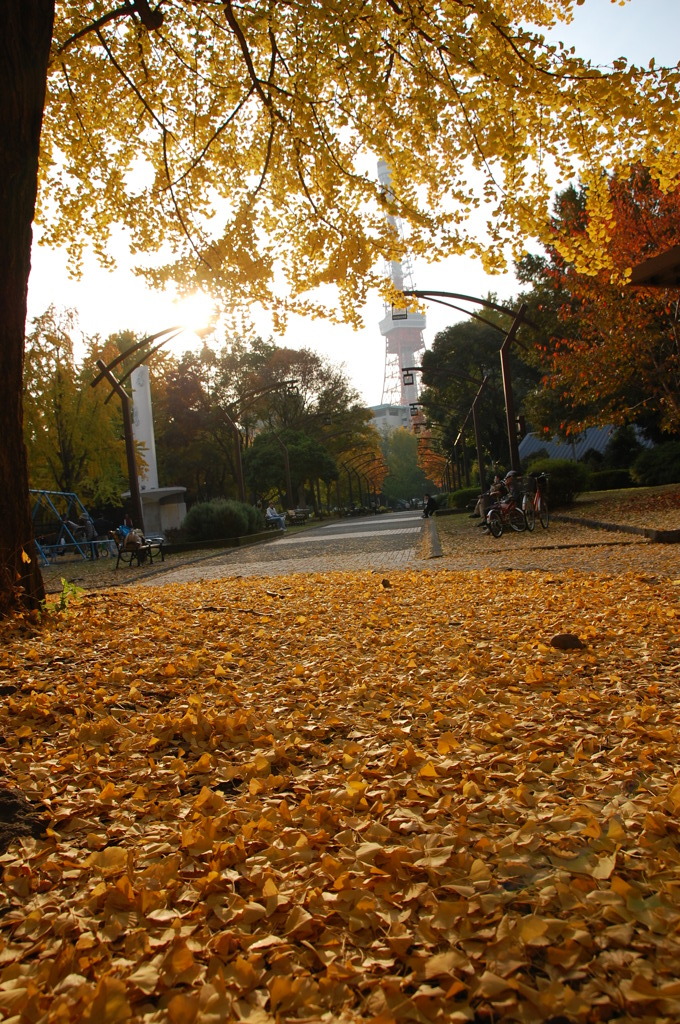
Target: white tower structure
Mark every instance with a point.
(142, 425)
(164, 508)
(402, 329)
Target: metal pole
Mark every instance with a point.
(507, 388)
(237, 453)
(475, 428)
(361, 497)
(349, 481)
(466, 461)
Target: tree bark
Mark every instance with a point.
(25, 37)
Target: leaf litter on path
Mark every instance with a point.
(361, 804)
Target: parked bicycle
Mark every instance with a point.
(505, 513)
(536, 504)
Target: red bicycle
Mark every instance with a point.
(505, 513)
(536, 504)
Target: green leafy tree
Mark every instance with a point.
(249, 126)
(255, 387)
(461, 357)
(308, 461)
(405, 479)
(70, 433)
(194, 441)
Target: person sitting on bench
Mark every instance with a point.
(275, 517)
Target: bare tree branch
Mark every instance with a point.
(151, 20)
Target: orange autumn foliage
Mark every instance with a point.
(616, 355)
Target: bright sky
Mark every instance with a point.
(108, 302)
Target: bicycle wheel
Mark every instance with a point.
(516, 520)
(543, 513)
(529, 512)
(495, 523)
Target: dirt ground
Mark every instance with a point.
(567, 545)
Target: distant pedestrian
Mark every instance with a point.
(86, 524)
(430, 506)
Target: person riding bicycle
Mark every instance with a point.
(513, 483)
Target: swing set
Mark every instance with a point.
(56, 517)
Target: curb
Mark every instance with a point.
(430, 539)
(656, 536)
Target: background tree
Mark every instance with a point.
(194, 445)
(70, 433)
(265, 466)
(460, 358)
(405, 479)
(613, 354)
(432, 459)
(249, 384)
(249, 127)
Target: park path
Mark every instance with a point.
(371, 543)
(401, 540)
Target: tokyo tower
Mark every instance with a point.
(402, 329)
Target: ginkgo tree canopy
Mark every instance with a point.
(240, 138)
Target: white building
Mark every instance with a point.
(389, 417)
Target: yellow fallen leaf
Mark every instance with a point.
(202, 766)
(110, 860)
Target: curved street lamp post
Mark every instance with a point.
(407, 377)
(106, 373)
(519, 318)
(361, 468)
(352, 466)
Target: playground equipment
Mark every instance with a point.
(56, 526)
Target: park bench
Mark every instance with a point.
(297, 516)
(148, 550)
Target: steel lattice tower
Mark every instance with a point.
(401, 329)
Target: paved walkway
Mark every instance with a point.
(376, 544)
(404, 541)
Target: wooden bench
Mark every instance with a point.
(297, 516)
(149, 551)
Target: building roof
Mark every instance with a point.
(577, 447)
(662, 271)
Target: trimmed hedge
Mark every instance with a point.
(221, 518)
(462, 498)
(660, 465)
(610, 479)
(566, 478)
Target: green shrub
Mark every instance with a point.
(566, 478)
(610, 479)
(660, 465)
(255, 518)
(462, 498)
(216, 520)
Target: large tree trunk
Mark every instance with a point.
(25, 36)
